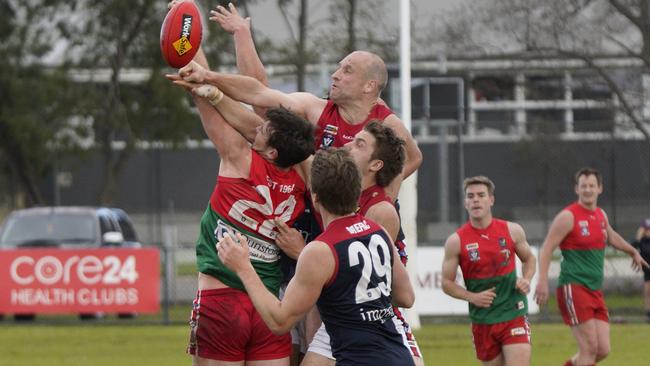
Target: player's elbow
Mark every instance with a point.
(446, 286)
(404, 298)
(280, 328)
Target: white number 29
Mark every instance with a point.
(372, 261)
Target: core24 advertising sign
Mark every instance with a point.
(80, 280)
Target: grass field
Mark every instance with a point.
(157, 345)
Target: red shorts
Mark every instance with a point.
(579, 304)
(225, 326)
(489, 338)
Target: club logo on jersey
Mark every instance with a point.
(506, 257)
(472, 252)
(520, 305)
(502, 242)
(584, 227)
(327, 141)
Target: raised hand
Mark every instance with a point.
(229, 19)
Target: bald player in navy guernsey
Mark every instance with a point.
(360, 274)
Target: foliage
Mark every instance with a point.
(586, 30)
(34, 96)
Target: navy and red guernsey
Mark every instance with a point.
(334, 131)
(355, 304)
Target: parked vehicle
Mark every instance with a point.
(68, 227)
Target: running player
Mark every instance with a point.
(485, 249)
(581, 231)
(359, 273)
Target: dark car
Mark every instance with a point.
(68, 227)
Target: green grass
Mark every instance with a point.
(125, 345)
(64, 340)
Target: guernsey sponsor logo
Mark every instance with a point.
(377, 315)
(472, 252)
(519, 331)
(259, 249)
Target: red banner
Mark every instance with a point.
(80, 280)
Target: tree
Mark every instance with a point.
(587, 30)
(115, 35)
(34, 97)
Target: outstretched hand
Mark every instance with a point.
(229, 19)
(233, 253)
(193, 72)
(288, 239)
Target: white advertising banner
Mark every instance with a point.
(429, 297)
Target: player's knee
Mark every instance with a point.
(590, 346)
(603, 351)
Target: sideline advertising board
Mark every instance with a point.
(80, 280)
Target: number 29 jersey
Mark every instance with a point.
(355, 304)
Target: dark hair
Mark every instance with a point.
(587, 172)
(335, 179)
(291, 135)
(389, 149)
(479, 179)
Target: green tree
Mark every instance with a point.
(34, 96)
(111, 37)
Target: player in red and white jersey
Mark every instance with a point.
(257, 184)
(355, 303)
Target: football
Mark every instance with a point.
(180, 34)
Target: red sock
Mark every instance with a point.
(568, 363)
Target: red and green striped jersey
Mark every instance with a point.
(583, 249)
(487, 259)
(249, 206)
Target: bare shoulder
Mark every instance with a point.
(452, 244)
(516, 231)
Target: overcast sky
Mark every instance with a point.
(267, 19)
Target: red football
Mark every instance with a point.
(180, 34)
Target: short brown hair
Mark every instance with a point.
(335, 179)
(479, 179)
(389, 149)
(291, 135)
(587, 172)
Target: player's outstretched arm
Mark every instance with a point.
(560, 227)
(248, 61)
(303, 289)
(528, 260)
(450, 265)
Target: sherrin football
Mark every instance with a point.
(180, 34)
